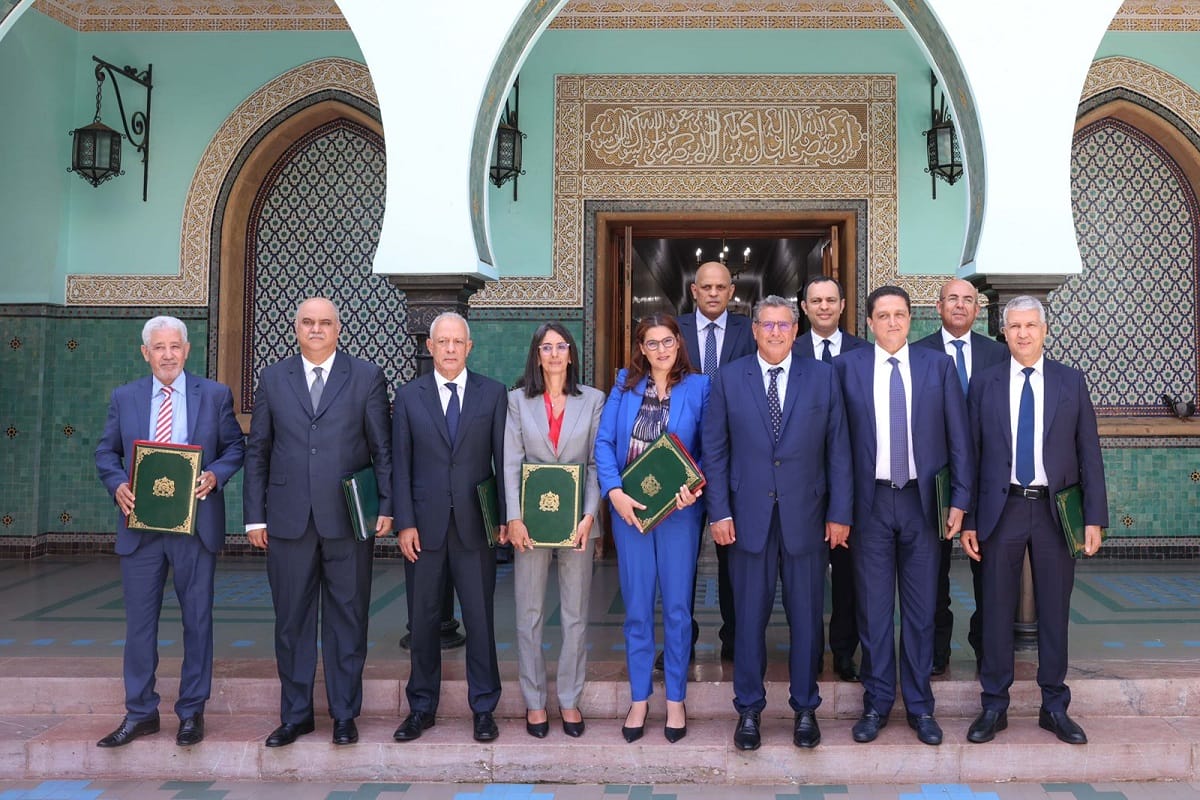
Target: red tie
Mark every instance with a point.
(162, 428)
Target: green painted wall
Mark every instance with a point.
(199, 78)
(931, 232)
(1171, 52)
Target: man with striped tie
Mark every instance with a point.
(169, 405)
(714, 337)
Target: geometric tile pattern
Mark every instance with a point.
(727, 14)
(313, 230)
(1136, 220)
(179, 15)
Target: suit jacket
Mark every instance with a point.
(807, 472)
(211, 424)
(939, 432)
(985, 352)
(434, 477)
(803, 346)
(738, 341)
(1070, 445)
(296, 459)
(527, 438)
(689, 398)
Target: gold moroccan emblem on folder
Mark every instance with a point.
(548, 502)
(651, 486)
(164, 487)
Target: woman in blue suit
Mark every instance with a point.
(657, 392)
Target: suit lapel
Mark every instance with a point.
(865, 374)
(143, 412)
(299, 384)
(917, 369)
(339, 376)
(572, 413)
(758, 390)
(794, 380)
(193, 405)
(472, 405)
(999, 392)
(1051, 389)
(733, 335)
(433, 405)
(629, 410)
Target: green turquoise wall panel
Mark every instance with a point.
(22, 355)
(1153, 492)
(501, 346)
(1173, 52)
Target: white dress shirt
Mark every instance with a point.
(702, 334)
(781, 381)
(459, 380)
(326, 365)
(835, 344)
(952, 351)
(883, 426)
(1037, 381)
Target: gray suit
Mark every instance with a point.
(527, 438)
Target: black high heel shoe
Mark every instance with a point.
(675, 734)
(573, 729)
(633, 734)
(537, 729)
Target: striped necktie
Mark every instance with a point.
(165, 421)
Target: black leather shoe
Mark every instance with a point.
(845, 669)
(414, 725)
(344, 731)
(868, 726)
(127, 731)
(191, 731)
(727, 651)
(747, 735)
(939, 667)
(538, 730)
(1061, 726)
(986, 726)
(485, 727)
(806, 733)
(632, 733)
(574, 729)
(928, 731)
(288, 732)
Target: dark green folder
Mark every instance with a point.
(362, 500)
(656, 475)
(551, 502)
(163, 480)
(941, 482)
(489, 506)
(1070, 518)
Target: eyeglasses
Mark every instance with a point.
(549, 348)
(771, 326)
(653, 344)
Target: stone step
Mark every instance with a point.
(1120, 749)
(255, 690)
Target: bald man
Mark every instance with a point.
(714, 337)
(958, 305)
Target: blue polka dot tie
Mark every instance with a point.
(773, 401)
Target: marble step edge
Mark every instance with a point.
(1120, 749)
(1102, 697)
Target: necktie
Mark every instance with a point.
(960, 361)
(773, 401)
(318, 386)
(710, 350)
(453, 411)
(825, 356)
(1025, 469)
(165, 421)
(898, 425)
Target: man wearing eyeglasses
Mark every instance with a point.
(823, 304)
(908, 420)
(714, 336)
(777, 457)
(958, 305)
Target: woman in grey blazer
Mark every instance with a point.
(552, 418)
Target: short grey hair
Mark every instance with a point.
(336, 316)
(775, 301)
(1023, 302)
(161, 323)
(445, 315)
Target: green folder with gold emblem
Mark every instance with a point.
(552, 502)
(941, 482)
(656, 475)
(489, 507)
(163, 480)
(1070, 519)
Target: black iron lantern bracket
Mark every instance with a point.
(506, 164)
(943, 156)
(136, 126)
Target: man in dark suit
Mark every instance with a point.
(908, 420)
(714, 337)
(1035, 431)
(318, 417)
(958, 305)
(777, 458)
(169, 405)
(448, 437)
(823, 304)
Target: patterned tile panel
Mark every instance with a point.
(1136, 222)
(185, 15)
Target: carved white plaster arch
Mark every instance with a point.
(190, 286)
